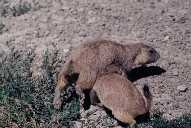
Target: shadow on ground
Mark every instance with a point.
(142, 72)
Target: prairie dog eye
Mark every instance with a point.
(151, 51)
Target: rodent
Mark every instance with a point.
(91, 59)
(119, 95)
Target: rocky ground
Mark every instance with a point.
(58, 25)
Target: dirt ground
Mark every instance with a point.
(59, 25)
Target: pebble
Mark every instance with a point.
(175, 72)
(166, 38)
(66, 50)
(77, 124)
(182, 88)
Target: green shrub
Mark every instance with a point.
(27, 102)
(16, 8)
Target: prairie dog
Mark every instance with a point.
(89, 60)
(119, 95)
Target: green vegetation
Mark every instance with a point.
(27, 102)
(181, 122)
(14, 9)
(157, 121)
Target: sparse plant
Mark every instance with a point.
(157, 121)
(14, 9)
(20, 9)
(2, 26)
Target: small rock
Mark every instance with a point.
(14, 125)
(168, 116)
(182, 20)
(96, 116)
(166, 38)
(175, 72)
(92, 20)
(77, 124)
(4, 51)
(66, 50)
(182, 88)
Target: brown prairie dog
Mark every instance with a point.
(89, 60)
(118, 94)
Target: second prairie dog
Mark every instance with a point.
(91, 59)
(119, 95)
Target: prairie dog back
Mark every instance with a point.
(95, 55)
(117, 93)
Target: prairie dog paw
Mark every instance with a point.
(57, 103)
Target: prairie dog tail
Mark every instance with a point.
(148, 96)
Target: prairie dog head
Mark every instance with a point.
(146, 55)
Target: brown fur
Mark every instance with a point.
(91, 59)
(119, 95)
